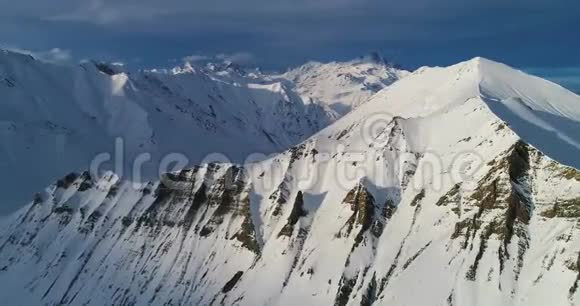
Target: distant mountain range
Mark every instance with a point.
(59, 118)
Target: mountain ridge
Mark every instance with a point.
(58, 117)
(425, 187)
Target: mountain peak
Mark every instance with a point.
(484, 64)
(10, 54)
(344, 86)
(542, 113)
(478, 59)
(110, 68)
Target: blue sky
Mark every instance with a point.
(541, 36)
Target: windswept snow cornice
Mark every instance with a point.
(542, 113)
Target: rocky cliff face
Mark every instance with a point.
(200, 237)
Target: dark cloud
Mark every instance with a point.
(196, 58)
(283, 33)
(243, 58)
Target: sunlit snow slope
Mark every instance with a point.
(446, 188)
(344, 85)
(54, 119)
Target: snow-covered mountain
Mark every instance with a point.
(57, 118)
(344, 85)
(450, 187)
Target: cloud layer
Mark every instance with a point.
(282, 33)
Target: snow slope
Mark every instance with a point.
(344, 85)
(543, 113)
(440, 190)
(54, 119)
